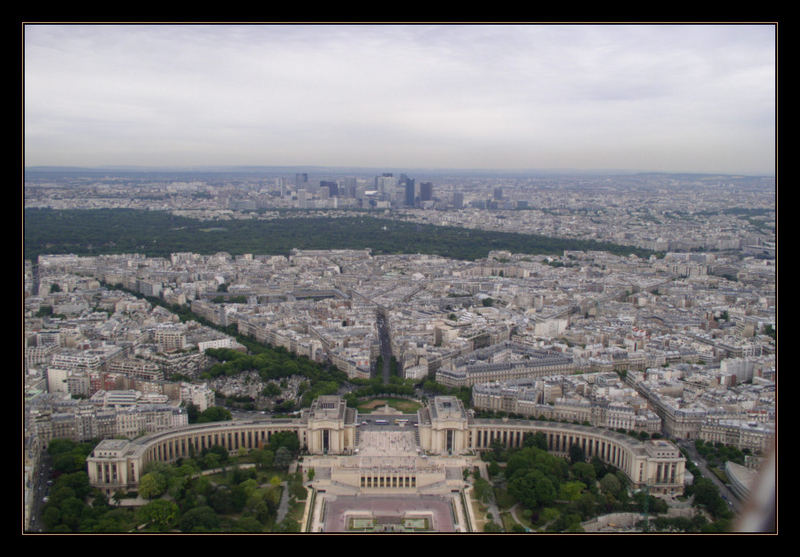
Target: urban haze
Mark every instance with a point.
(383, 279)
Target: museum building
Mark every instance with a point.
(445, 429)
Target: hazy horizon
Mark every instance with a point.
(313, 169)
(554, 98)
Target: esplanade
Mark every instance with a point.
(445, 429)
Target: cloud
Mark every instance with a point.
(398, 95)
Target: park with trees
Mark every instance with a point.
(212, 491)
(217, 491)
(160, 233)
(536, 491)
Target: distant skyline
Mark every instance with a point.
(659, 98)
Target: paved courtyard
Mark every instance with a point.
(387, 443)
(386, 447)
(389, 510)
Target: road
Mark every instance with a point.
(386, 347)
(370, 422)
(733, 502)
(41, 489)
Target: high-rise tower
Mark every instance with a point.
(410, 192)
(425, 191)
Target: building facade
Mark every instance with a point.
(445, 429)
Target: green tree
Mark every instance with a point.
(548, 515)
(265, 511)
(44, 311)
(285, 439)
(202, 486)
(611, 485)
(192, 413)
(125, 231)
(288, 525)
(115, 521)
(297, 490)
(264, 458)
(583, 472)
(283, 458)
(238, 475)
(546, 491)
(248, 524)
(498, 449)
(51, 517)
(483, 490)
(586, 505)
(152, 485)
(538, 440)
(211, 461)
(214, 414)
(654, 505)
(533, 458)
(215, 456)
(707, 495)
(72, 510)
(532, 488)
(238, 498)
(250, 487)
(59, 493)
(100, 502)
(571, 491)
(177, 485)
(271, 389)
(72, 461)
(567, 522)
(199, 519)
(576, 454)
(222, 500)
(159, 515)
(77, 481)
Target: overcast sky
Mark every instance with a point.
(681, 98)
